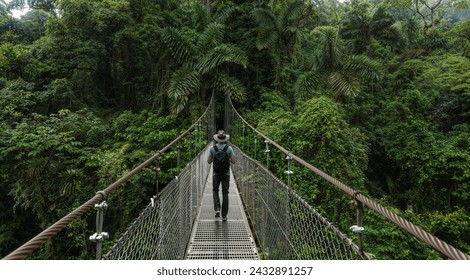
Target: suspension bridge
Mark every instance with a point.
(267, 218)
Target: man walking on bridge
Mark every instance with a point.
(221, 155)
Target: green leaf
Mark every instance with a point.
(306, 85)
(183, 83)
(179, 45)
(227, 85)
(221, 54)
(344, 84)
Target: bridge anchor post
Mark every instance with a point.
(99, 236)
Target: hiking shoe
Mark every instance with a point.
(224, 219)
(217, 214)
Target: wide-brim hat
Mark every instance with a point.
(221, 136)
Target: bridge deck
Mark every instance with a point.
(213, 239)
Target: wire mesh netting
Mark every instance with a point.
(163, 228)
(286, 226)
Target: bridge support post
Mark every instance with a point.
(289, 172)
(256, 147)
(157, 176)
(359, 229)
(99, 236)
(243, 135)
(267, 151)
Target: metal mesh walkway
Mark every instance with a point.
(213, 239)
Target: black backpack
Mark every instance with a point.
(221, 161)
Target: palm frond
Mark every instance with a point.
(293, 11)
(330, 48)
(229, 86)
(433, 41)
(36, 168)
(397, 35)
(264, 18)
(222, 54)
(200, 16)
(306, 85)
(364, 67)
(381, 20)
(212, 36)
(183, 83)
(266, 39)
(344, 84)
(411, 27)
(72, 179)
(179, 45)
(225, 14)
(269, 28)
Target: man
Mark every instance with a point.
(221, 154)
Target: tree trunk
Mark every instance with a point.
(207, 3)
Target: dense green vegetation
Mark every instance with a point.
(375, 93)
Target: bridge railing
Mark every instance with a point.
(194, 139)
(270, 153)
(162, 230)
(286, 226)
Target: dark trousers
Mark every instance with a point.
(216, 180)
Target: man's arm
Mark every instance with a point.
(232, 156)
(209, 159)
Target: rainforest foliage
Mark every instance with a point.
(375, 93)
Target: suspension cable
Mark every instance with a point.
(416, 231)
